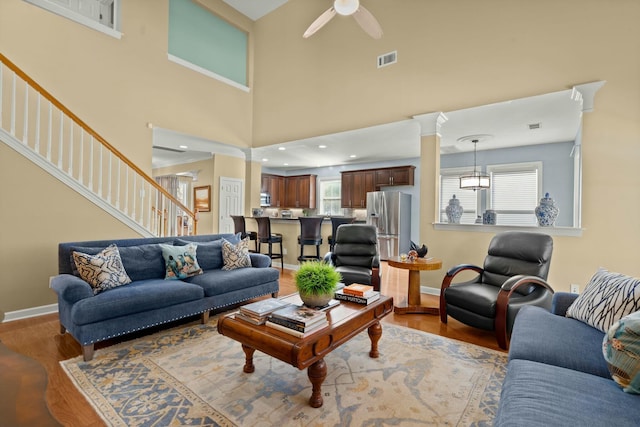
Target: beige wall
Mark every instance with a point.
(118, 86)
(453, 55)
(36, 215)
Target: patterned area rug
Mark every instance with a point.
(193, 376)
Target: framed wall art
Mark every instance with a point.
(202, 198)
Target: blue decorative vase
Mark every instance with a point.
(489, 217)
(454, 210)
(547, 212)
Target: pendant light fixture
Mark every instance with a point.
(477, 180)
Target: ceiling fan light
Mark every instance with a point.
(346, 7)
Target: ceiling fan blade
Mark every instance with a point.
(368, 22)
(320, 22)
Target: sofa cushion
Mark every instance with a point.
(535, 394)
(103, 270)
(235, 256)
(216, 282)
(141, 262)
(134, 298)
(607, 298)
(180, 261)
(541, 336)
(621, 348)
(209, 253)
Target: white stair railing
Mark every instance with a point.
(37, 125)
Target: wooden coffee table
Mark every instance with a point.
(345, 321)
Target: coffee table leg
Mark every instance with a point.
(248, 360)
(317, 373)
(375, 332)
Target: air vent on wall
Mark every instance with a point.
(388, 59)
(533, 126)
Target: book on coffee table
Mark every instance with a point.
(359, 290)
(263, 307)
(340, 295)
(300, 315)
(295, 332)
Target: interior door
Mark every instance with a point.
(231, 203)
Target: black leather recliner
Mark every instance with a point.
(355, 255)
(514, 274)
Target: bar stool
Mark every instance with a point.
(239, 226)
(337, 221)
(265, 236)
(310, 234)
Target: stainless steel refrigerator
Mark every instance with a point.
(390, 213)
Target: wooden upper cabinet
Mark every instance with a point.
(274, 186)
(402, 175)
(292, 191)
(355, 186)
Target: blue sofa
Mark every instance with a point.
(149, 300)
(557, 374)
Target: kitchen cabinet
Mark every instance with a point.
(355, 186)
(290, 191)
(402, 175)
(274, 185)
(300, 191)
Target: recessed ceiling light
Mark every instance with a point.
(265, 160)
(286, 164)
(353, 156)
(281, 148)
(322, 146)
(183, 146)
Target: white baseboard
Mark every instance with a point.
(30, 312)
(429, 290)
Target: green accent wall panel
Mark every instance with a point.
(208, 41)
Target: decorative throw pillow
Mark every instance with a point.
(103, 270)
(621, 348)
(235, 256)
(607, 298)
(180, 261)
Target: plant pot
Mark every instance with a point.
(316, 300)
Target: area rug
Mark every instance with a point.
(193, 376)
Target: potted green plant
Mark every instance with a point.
(316, 282)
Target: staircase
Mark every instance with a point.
(38, 126)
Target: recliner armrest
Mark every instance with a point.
(70, 288)
(375, 262)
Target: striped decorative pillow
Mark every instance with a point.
(607, 298)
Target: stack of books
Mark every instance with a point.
(356, 292)
(257, 312)
(298, 320)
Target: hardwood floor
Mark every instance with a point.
(39, 339)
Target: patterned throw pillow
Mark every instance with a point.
(235, 256)
(621, 348)
(180, 261)
(607, 298)
(103, 270)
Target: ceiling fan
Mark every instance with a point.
(347, 8)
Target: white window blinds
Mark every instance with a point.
(514, 192)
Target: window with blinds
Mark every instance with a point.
(514, 192)
(469, 200)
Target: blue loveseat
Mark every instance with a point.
(150, 300)
(557, 374)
